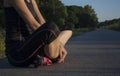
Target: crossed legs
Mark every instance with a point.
(56, 48)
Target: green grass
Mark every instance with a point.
(81, 31)
(2, 48)
(115, 26)
(2, 43)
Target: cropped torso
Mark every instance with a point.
(15, 27)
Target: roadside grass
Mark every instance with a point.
(2, 43)
(115, 26)
(2, 48)
(81, 31)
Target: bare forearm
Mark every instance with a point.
(22, 9)
(38, 13)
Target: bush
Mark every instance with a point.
(81, 31)
(2, 43)
(1, 18)
(115, 26)
(2, 48)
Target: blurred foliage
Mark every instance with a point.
(1, 4)
(53, 10)
(81, 31)
(110, 24)
(1, 18)
(2, 43)
(82, 16)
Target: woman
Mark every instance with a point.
(45, 45)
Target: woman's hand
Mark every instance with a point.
(63, 54)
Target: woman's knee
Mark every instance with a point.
(52, 56)
(51, 53)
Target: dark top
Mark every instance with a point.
(16, 28)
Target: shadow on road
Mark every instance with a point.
(4, 64)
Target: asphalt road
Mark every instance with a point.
(96, 53)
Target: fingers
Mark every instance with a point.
(60, 52)
(61, 61)
(63, 54)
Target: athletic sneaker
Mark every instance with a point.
(42, 61)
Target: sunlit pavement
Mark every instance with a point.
(95, 53)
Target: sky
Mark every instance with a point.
(105, 9)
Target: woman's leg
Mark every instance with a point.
(57, 46)
(64, 36)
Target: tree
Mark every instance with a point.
(82, 16)
(93, 16)
(1, 14)
(53, 10)
(1, 4)
(73, 14)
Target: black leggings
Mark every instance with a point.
(25, 52)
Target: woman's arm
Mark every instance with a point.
(25, 13)
(38, 13)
